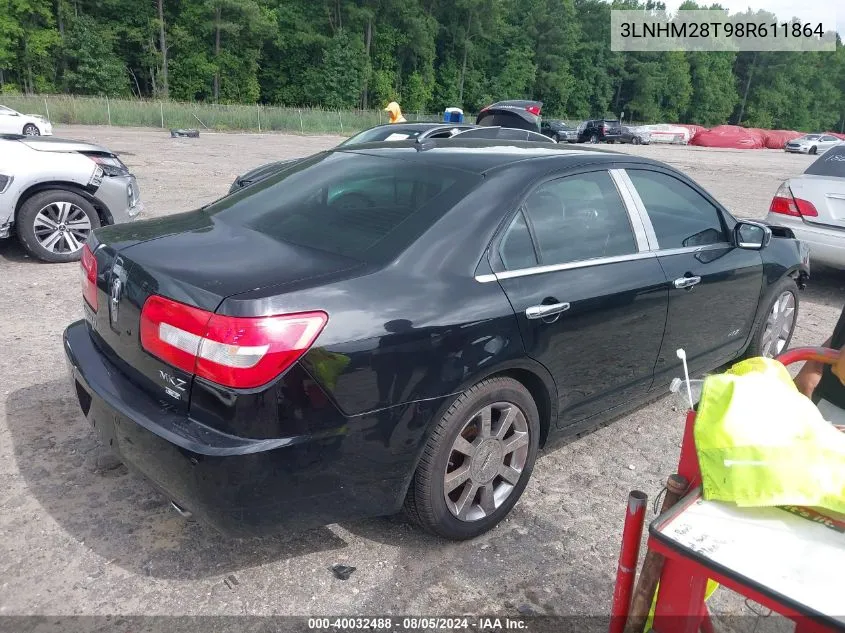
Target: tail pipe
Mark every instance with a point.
(628, 558)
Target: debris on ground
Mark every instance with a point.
(342, 572)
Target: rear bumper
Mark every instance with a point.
(240, 486)
(826, 244)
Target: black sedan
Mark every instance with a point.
(408, 324)
(634, 137)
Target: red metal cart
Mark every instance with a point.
(788, 560)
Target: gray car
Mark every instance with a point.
(812, 144)
(54, 192)
(812, 205)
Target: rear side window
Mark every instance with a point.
(517, 248)
(680, 215)
(576, 218)
(365, 207)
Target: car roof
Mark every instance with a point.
(482, 155)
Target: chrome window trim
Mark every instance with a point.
(639, 206)
(634, 217)
(584, 263)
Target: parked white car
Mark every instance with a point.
(54, 192)
(813, 206)
(13, 122)
(812, 144)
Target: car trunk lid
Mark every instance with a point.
(198, 267)
(827, 197)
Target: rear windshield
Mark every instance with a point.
(385, 133)
(370, 208)
(506, 119)
(830, 164)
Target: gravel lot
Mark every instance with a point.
(77, 540)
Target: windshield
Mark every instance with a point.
(366, 207)
(385, 133)
(811, 137)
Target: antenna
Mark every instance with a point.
(683, 356)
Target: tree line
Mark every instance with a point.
(426, 54)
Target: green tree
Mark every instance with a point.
(92, 67)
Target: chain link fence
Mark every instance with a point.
(68, 109)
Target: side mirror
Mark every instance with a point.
(752, 236)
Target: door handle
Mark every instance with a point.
(687, 282)
(546, 310)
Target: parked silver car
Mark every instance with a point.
(54, 192)
(812, 144)
(813, 206)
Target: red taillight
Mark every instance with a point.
(89, 277)
(785, 203)
(239, 352)
(535, 110)
(806, 208)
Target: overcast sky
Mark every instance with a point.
(805, 10)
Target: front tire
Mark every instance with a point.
(53, 225)
(31, 130)
(477, 461)
(813, 150)
(594, 139)
(636, 140)
(775, 325)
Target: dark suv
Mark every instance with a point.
(598, 130)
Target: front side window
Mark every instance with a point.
(576, 218)
(681, 216)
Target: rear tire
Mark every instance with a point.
(773, 328)
(635, 140)
(53, 225)
(31, 130)
(478, 496)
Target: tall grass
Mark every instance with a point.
(67, 109)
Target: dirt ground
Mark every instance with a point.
(76, 540)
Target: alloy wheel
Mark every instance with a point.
(31, 130)
(486, 461)
(62, 227)
(779, 325)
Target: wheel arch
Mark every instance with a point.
(102, 210)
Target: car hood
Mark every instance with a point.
(802, 141)
(54, 144)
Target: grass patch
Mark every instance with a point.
(69, 110)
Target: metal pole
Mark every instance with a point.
(676, 487)
(629, 555)
(301, 129)
(258, 107)
(108, 108)
(340, 116)
(161, 108)
(46, 108)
